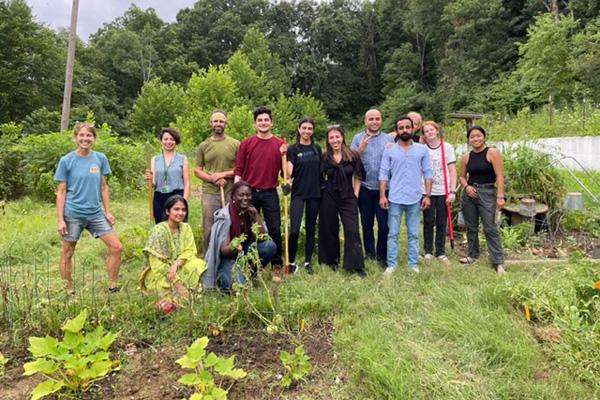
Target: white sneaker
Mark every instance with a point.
(388, 271)
(428, 257)
(500, 269)
(443, 258)
(414, 269)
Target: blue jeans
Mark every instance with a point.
(266, 251)
(368, 204)
(412, 232)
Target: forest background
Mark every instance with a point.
(336, 59)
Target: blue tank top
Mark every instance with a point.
(168, 178)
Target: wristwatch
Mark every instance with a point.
(428, 195)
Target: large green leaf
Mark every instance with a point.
(224, 365)
(71, 340)
(211, 359)
(235, 373)
(189, 379)
(41, 346)
(45, 388)
(187, 362)
(106, 340)
(42, 365)
(197, 349)
(75, 325)
(97, 369)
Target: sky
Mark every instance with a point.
(93, 13)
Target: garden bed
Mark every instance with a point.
(151, 373)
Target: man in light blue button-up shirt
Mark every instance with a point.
(404, 166)
(370, 145)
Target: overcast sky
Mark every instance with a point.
(93, 13)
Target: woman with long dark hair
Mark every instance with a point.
(303, 166)
(341, 174)
(169, 172)
(481, 176)
(171, 264)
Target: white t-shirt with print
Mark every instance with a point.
(435, 155)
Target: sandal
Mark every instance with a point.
(467, 260)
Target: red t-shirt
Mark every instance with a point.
(258, 161)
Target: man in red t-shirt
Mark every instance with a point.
(258, 162)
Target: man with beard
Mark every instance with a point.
(214, 165)
(370, 145)
(404, 166)
(258, 162)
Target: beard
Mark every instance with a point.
(218, 130)
(404, 136)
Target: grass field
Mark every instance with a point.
(449, 332)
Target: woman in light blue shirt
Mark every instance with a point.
(170, 173)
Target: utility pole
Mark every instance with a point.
(66, 108)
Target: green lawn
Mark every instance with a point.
(449, 332)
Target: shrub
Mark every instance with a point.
(12, 179)
(530, 172)
(40, 155)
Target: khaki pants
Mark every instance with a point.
(210, 204)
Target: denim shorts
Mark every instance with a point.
(97, 225)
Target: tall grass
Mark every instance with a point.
(449, 332)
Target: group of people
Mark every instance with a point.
(379, 177)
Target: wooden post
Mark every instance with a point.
(66, 107)
(148, 152)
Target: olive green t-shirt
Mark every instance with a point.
(217, 156)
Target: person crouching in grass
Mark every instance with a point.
(82, 202)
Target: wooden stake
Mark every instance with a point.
(148, 152)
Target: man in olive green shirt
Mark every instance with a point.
(214, 165)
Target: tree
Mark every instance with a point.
(31, 63)
(157, 106)
(544, 62)
(265, 63)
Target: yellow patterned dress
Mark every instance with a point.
(162, 248)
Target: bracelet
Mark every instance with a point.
(501, 197)
(453, 192)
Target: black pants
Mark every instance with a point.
(368, 203)
(158, 205)
(268, 201)
(312, 210)
(437, 216)
(333, 208)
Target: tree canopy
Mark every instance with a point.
(345, 55)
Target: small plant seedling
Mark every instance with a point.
(205, 367)
(297, 366)
(75, 362)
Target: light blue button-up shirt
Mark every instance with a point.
(405, 171)
(371, 157)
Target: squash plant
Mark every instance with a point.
(73, 363)
(297, 366)
(205, 367)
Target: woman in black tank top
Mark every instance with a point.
(481, 176)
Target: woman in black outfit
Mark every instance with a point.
(341, 174)
(303, 166)
(481, 176)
